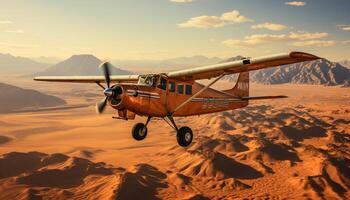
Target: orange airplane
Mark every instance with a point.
(176, 94)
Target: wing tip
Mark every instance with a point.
(303, 55)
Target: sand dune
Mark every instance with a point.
(280, 149)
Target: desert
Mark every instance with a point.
(288, 148)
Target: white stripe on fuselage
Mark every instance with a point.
(143, 94)
(216, 99)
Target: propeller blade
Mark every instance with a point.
(100, 106)
(106, 72)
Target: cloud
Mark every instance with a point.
(5, 22)
(259, 39)
(344, 27)
(182, 1)
(14, 31)
(318, 43)
(300, 35)
(234, 17)
(270, 26)
(205, 21)
(295, 3)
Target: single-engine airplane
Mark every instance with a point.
(177, 94)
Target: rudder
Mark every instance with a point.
(241, 89)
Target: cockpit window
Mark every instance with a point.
(180, 88)
(171, 86)
(162, 83)
(188, 89)
(148, 80)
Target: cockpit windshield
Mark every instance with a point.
(149, 80)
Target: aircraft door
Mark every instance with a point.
(171, 95)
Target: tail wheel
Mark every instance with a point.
(184, 136)
(139, 131)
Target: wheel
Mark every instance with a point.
(184, 136)
(139, 131)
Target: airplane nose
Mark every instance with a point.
(108, 92)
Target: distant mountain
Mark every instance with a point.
(167, 64)
(47, 60)
(317, 72)
(233, 59)
(10, 64)
(78, 65)
(13, 98)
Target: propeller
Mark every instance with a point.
(108, 92)
(106, 72)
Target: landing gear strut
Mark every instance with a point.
(139, 131)
(184, 135)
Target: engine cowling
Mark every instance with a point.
(116, 97)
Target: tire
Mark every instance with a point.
(139, 131)
(184, 136)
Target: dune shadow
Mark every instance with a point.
(4, 139)
(233, 169)
(301, 134)
(142, 183)
(70, 176)
(279, 152)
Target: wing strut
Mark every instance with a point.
(198, 93)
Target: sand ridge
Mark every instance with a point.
(278, 149)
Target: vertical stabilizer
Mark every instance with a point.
(241, 89)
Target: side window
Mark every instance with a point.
(188, 89)
(171, 86)
(162, 83)
(180, 88)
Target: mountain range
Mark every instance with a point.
(317, 72)
(10, 64)
(78, 65)
(321, 71)
(14, 98)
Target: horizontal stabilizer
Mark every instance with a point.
(263, 97)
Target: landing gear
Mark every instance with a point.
(184, 136)
(139, 131)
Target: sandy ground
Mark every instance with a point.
(289, 148)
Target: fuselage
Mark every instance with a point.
(162, 99)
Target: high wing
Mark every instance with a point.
(87, 79)
(205, 72)
(244, 65)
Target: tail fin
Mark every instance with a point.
(241, 89)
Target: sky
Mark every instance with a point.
(161, 29)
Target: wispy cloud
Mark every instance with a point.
(296, 3)
(344, 27)
(259, 39)
(317, 43)
(182, 1)
(14, 31)
(270, 26)
(5, 22)
(205, 21)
